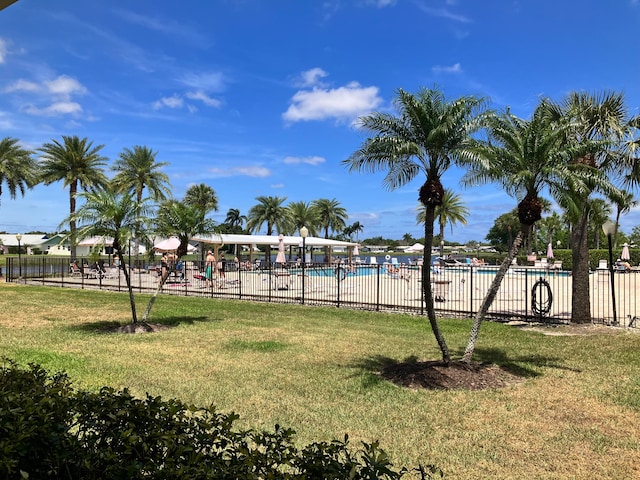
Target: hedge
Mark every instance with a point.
(48, 430)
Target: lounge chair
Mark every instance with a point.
(373, 260)
(75, 270)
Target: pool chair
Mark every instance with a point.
(373, 260)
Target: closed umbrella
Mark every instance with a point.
(625, 252)
(356, 252)
(549, 250)
(280, 258)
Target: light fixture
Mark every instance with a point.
(304, 233)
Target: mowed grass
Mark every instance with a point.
(576, 415)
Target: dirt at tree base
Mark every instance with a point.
(140, 327)
(435, 375)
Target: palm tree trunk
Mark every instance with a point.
(73, 190)
(580, 299)
(426, 284)
(127, 279)
(524, 232)
(152, 300)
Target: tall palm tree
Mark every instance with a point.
(119, 216)
(184, 221)
(301, 214)
(18, 169)
(331, 215)
(137, 169)
(269, 210)
(356, 228)
(524, 157)
(623, 205)
(78, 164)
(234, 219)
(203, 196)
(451, 211)
(424, 138)
(601, 118)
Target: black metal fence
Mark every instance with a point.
(530, 294)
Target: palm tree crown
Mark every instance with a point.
(330, 215)
(137, 169)
(202, 196)
(17, 167)
(269, 210)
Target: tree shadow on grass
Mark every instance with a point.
(495, 370)
(140, 327)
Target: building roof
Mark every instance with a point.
(32, 240)
(272, 240)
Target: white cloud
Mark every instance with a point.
(173, 101)
(3, 51)
(23, 86)
(277, 185)
(307, 160)
(257, 172)
(455, 68)
(206, 82)
(443, 13)
(381, 3)
(311, 78)
(343, 103)
(204, 98)
(55, 109)
(65, 86)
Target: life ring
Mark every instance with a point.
(340, 273)
(387, 257)
(541, 306)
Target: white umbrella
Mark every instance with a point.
(625, 252)
(281, 257)
(415, 248)
(549, 250)
(356, 252)
(171, 245)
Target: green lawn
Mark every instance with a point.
(314, 369)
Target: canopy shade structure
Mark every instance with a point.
(272, 240)
(415, 248)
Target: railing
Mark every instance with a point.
(529, 294)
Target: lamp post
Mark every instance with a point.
(304, 233)
(609, 228)
(19, 237)
(558, 243)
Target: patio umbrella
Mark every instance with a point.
(281, 257)
(171, 245)
(625, 252)
(356, 252)
(549, 250)
(415, 248)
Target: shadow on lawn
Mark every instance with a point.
(494, 370)
(139, 327)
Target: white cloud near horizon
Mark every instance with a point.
(345, 103)
(306, 160)
(54, 110)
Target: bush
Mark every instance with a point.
(50, 431)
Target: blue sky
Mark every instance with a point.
(261, 97)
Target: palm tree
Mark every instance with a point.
(137, 169)
(77, 163)
(17, 167)
(451, 211)
(525, 157)
(269, 210)
(331, 216)
(601, 118)
(301, 214)
(599, 212)
(234, 219)
(203, 196)
(356, 228)
(119, 216)
(623, 206)
(183, 221)
(425, 137)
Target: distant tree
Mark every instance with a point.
(269, 211)
(331, 215)
(599, 212)
(78, 164)
(301, 214)
(623, 205)
(451, 211)
(105, 213)
(235, 220)
(18, 169)
(202, 196)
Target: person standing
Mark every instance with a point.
(209, 265)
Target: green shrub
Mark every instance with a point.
(50, 431)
